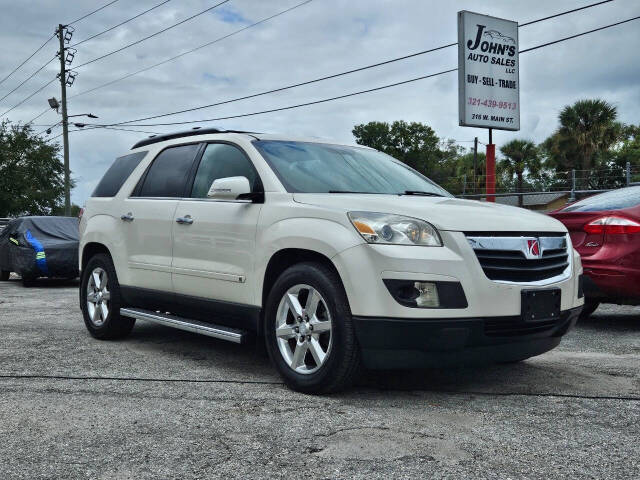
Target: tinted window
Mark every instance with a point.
(320, 168)
(614, 200)
(168, 174)
(117, 174)
(221, 160)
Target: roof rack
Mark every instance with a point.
(186, 133)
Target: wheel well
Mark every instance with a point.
(283, 259)
(91, 249)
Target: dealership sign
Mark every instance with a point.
(488, 72)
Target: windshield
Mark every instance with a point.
(305, 167)
(614, 200)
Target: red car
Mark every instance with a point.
(605, 230)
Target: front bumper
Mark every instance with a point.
(415, 343)
(363, 269)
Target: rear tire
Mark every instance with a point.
(590, 306)
(100, 300)
(315, 349)
(4, 275)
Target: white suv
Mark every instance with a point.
(338, 256)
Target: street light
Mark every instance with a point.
(90, 115)
(53, 103)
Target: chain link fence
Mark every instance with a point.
(548, 188)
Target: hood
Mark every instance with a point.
(444, 213)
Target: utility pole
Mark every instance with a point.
(475, 163)
(65, 122)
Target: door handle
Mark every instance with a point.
(186, 220)
(127, 218)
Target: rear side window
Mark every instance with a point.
(221, 160)
(167, 176)
(117, 174)
(614, 200)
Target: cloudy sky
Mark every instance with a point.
(317, 39)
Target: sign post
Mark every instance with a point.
(488, 79)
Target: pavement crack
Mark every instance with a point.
(264, 382)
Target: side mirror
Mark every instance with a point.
(229, 188)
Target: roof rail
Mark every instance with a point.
(186, 133)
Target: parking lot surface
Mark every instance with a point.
(169, 404)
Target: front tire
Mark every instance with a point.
(100, 300)
(590, 306)
(309, 332)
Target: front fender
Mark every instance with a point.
(322, 236)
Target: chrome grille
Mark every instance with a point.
(517, 259)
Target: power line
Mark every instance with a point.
(286, 87)
(91, 13)
(41, 47)
(564, 13)
(315, 102)
(361, 91)
(152, 35)
(404, 57)
(105, 128)
(39, 115)
(28, 78)
(28, 58)
(327, 77)
(580, 34)
(120, 49)
(300, 84)
(119, 24)
(27, 98)
(192, 50)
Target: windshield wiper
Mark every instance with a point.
(420, 193)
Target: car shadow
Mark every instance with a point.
(207, 359)
(611, 322)
(491, 378)
(49, 282)
(199, 353)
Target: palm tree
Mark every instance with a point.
(520, 156)
(588, 127)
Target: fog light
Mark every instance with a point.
(417, 294)
(427, 294)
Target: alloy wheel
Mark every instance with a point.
(98, 296)
(303, 329)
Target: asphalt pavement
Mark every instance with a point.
(169, 404)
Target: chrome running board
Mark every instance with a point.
(189, 325)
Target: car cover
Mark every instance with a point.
(40, 247)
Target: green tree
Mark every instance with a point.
(588, 130)
(629, 151)
(31, 174)
(413, 143)
(520, 158)
(460, 171)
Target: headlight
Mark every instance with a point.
(385, 228)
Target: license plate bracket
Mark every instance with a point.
(540, 305)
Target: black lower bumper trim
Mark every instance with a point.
(413, 343)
